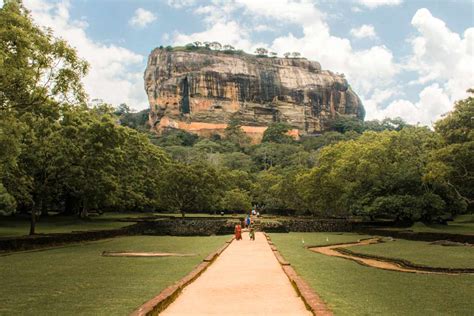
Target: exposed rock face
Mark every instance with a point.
(200, 91)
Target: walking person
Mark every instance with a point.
(252, 233)
(238, 232)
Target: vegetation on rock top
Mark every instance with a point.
(207, 47)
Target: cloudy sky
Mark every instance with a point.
(408, 58)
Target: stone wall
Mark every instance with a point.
(221, 226)
(318, 225)
(188, 227)
(48, 240)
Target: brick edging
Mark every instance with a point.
(311, 299)
(169, 294)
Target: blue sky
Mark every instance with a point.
(408, 58)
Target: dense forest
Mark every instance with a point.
(57, 154)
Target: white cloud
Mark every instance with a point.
(178, 4)
(262, 28)
(432, 104)
(442, 55)
(372, 4)
(224, 32)
(141, 18)
(364, 31)
(444, 60)
(111, 77)
(293, 11)
(366, 70)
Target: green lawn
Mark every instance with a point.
(422, 253)
(77, 280)
(353, 289)
(462, 224)
(13, 226)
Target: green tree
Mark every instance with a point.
(235, 179)
(175, 137)
(261, 51)
(235, 134)
(265, 189)
(35, 67)
(208, 146)
(236, 200)
(277, 133)
(379, 174)
(38, 75)
(346, 123)
(185, 188)
(452, 165)
(236, 161)
(268, 155)
(7, 202)
(387, 124)
(316, 142)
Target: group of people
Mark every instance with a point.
(247, 223)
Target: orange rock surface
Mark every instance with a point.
(201, 91)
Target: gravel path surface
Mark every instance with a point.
(246, 279)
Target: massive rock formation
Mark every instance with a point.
(200, 91)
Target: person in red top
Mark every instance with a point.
(238, 232)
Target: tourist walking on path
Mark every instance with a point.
(261, 288)
(252, 233)
(238, 232)
(247, 221)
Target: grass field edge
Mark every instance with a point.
(406, 263)
(311, 299)
(167, 296)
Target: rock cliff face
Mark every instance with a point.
(200, 91)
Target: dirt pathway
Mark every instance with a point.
(246, 279)
(331, 250)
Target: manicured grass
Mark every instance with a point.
(352, 289)
(77, 280)
(462, 224)
(13, 226)
(422, 253)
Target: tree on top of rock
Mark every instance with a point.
(215, 45)
(261, 51)
(296, 54)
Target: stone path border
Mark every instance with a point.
(311, 299)
(145, 254)
(169, 294)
